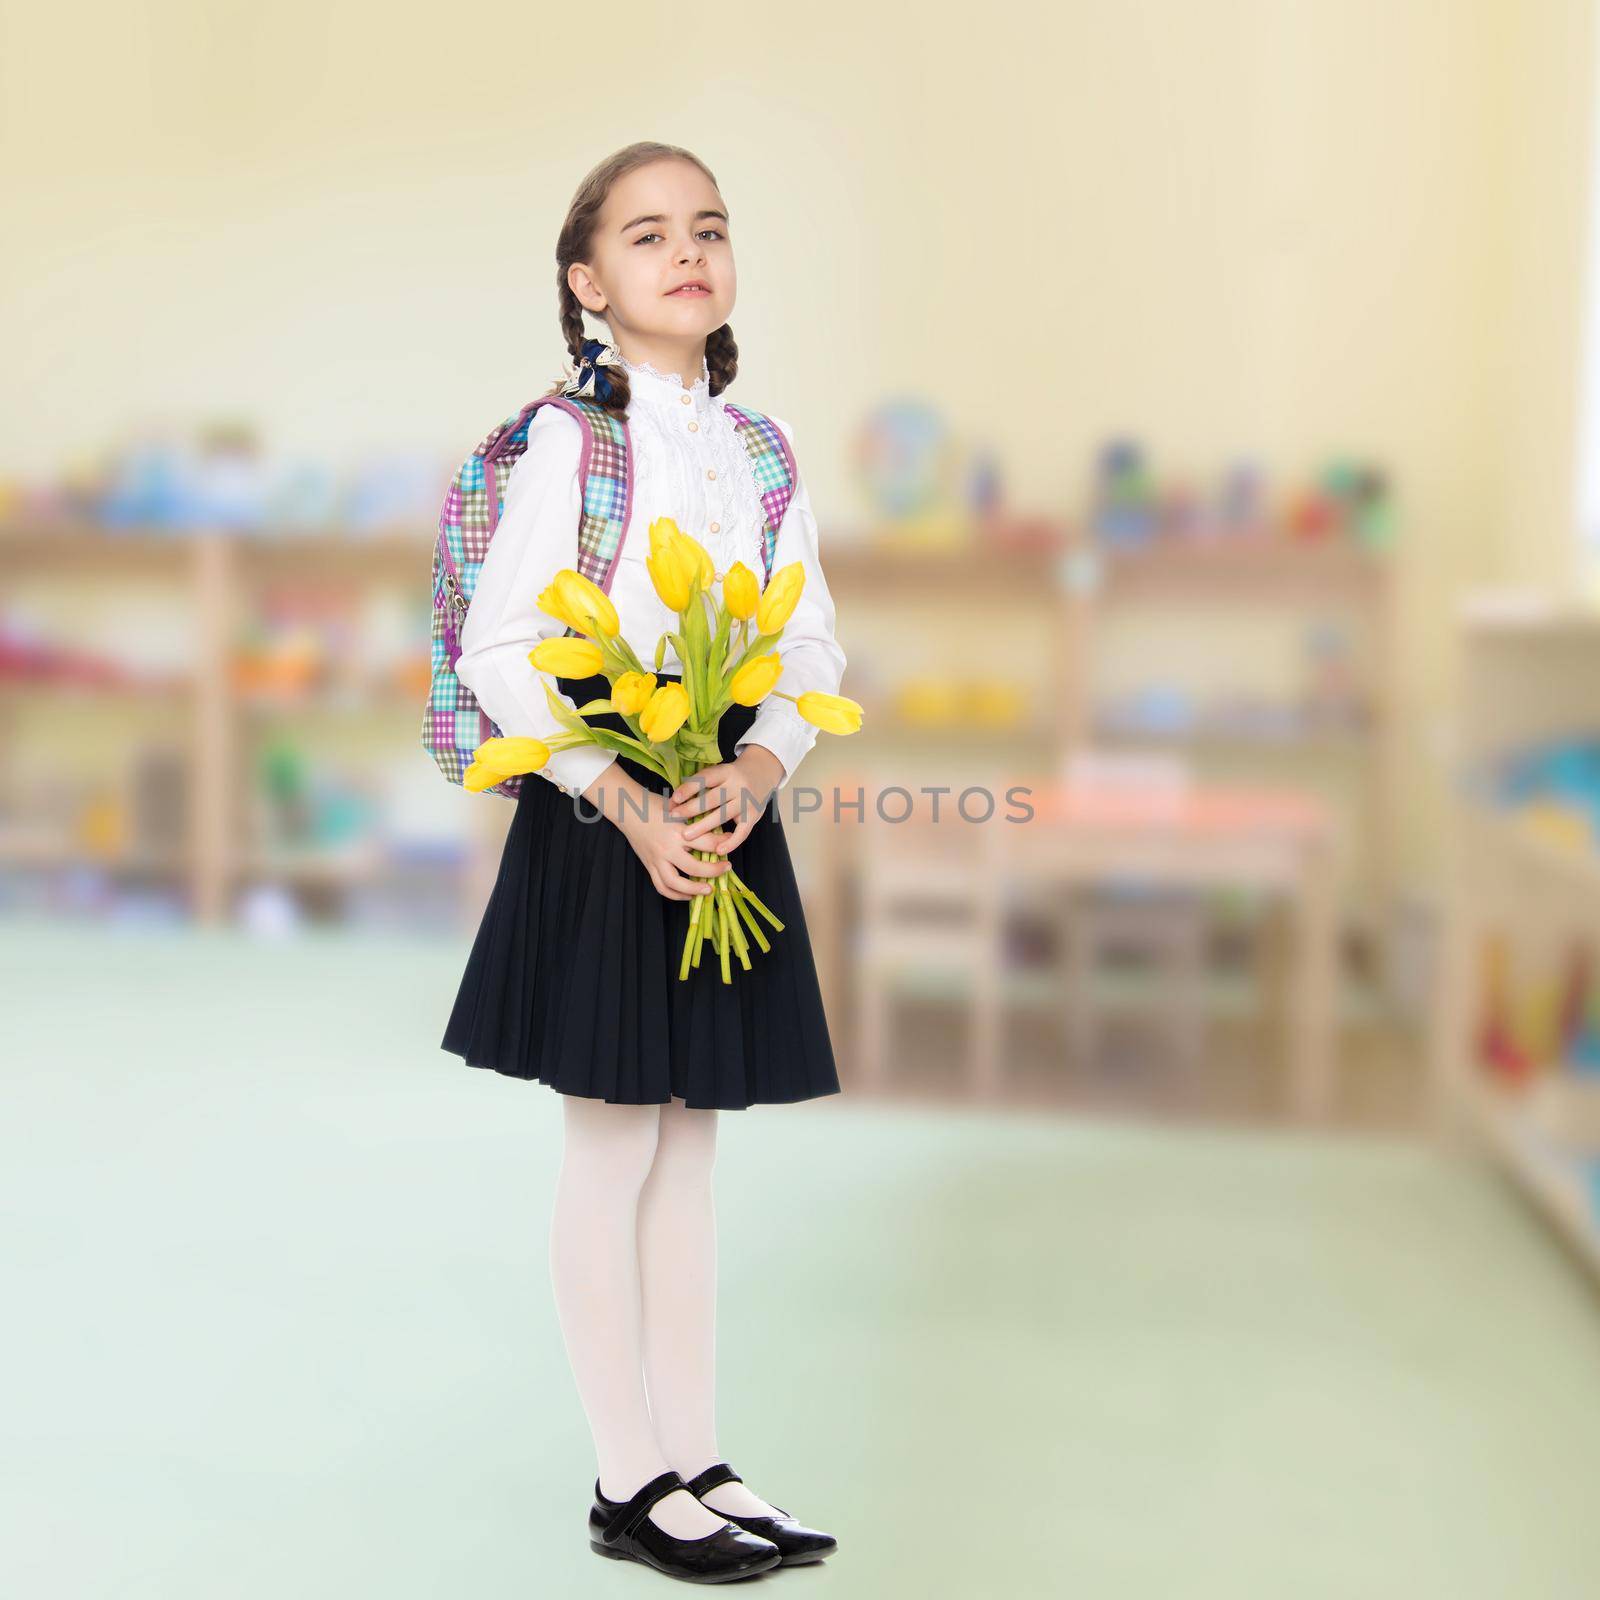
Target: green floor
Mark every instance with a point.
(280, 1324)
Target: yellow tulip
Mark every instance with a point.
(567, 658)
(698, 557)
(754, 680)
(497, 759)
(671, 549)
(833, 713)
(741, 591)
(672, 575)
(587, 603)
(780, 597)
(631, 692)
(553, 603)
(666, 711)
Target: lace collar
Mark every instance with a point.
(650, 381)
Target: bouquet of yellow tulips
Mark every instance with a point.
(674, 724)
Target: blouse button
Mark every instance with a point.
(684, 399)
(694, 427)
(716, 527)
(711, 472)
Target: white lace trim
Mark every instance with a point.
(702, 382)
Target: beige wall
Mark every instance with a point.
(1549, 129)
(1285, 226)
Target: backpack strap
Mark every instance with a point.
(605, 474)
(772, 462)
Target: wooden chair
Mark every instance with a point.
(930, 900)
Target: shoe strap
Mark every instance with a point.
(718, 1472)
(628, 1517)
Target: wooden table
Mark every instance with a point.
(1203, 835)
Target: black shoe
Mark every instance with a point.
(621, 1531)
(795, 1543)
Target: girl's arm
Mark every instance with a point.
(536, 537)
(809, 652)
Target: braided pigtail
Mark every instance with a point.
(722, 358)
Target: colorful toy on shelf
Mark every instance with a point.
(1123, 511)
(905, 459)
(1551, 791)
(1241, 508)
(1372, 509)
(218, 476)
(1580, 1041)
(1583, 1053)
(1182, 511)
(1540, 1023)
(1498, 1048)
(1349, 499)
(1332, 692)
(982, 483)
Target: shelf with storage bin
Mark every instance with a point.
(1348, 751)
(1081, 591)
(1264, 565)
(1016, 573)
(217, 577)
(1523, 896)
(1060, 589)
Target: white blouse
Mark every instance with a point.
(689, 464)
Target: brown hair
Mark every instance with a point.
(575, 243)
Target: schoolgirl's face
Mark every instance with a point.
(663, 262)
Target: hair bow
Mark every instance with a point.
(584, 378)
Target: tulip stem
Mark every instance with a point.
(689, 940)
(742, 903)
(719, 917)
(754, 899)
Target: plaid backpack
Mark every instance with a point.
(454, 724)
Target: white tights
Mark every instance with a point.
(633, 1261)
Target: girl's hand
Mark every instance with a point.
(658, 841)
(734, 791)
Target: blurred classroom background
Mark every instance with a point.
(1224, 380)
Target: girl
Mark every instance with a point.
(573, 976)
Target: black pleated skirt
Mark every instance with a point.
(573, 975)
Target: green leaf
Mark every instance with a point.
(702, 746)
(684, 657)
(561, 711)
(594, 707)
(719, 646)
(621, 744)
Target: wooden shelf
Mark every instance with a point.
(386, 554)
(1244, 566)
(1027, 575)
(1574, 868)
(322, 703)
(1040, 564)
(174, 693)
(1530, 617)
(312, 867)
(1553, 1179)
(1524, 680)
(1339, 739)
(33, 847)
(396, 556)
(77, 545)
